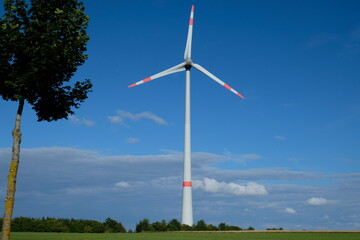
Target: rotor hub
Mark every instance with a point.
(188, 64)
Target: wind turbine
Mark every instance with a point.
(187, 214)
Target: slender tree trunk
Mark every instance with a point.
(10, 194)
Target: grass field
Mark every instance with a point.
(190, 236)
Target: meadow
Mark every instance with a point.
(190, 236)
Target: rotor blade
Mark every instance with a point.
(177, 68)
(206, 72)
(187, 54)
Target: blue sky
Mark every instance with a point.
(286, 156)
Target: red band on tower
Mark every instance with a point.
(187, 184)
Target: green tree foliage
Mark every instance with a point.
(25, 224)
(275, 229)
(225, 227)
(160, 226)
(83, 226)
(42, 45)
(174, 225)
(41, 48)
(144, 226)
(222, 226)
(211, 227)
(201, 226)
(113, 226)
(185, 227)
(234, 228)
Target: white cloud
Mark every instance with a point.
(122, 184)
(83, 121)
(132, 140)
(88, 123)
(280, 138)
(115, 119)
(122, 115)
(141, 159)
(204, 163)
(89, 190)
(84, 190)
(290, 210)
(168, 156)
(211, 185)
(315, 201)
(263, 173)
(229, 156)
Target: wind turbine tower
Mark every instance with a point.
(187, 213)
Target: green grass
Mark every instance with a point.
(187, 236)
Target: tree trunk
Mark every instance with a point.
(10, 193)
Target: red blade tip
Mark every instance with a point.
(132, 85)
(240, 95)
(192, 8)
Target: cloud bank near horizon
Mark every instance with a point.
(211, 185)
(70, 182)
(316, 201)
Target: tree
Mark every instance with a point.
(185, 227)
(276, 229)
(174, 225)
(234, 228)
(211, 227)
(160, 226)
(223, 226)
(201, 226)
(113, 226)
(41, 48)
(144, 226)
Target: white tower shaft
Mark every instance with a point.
(187, 214)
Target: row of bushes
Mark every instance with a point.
(26, 224)
(174, 225)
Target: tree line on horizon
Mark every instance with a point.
(48, 224)
(66, 225)
(27, 224)
(174, 225)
